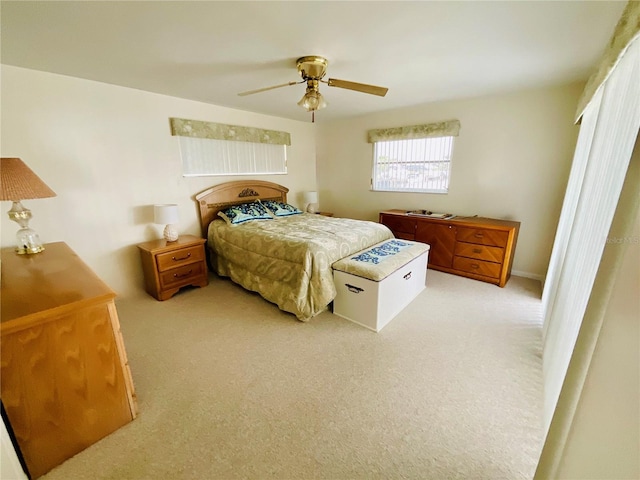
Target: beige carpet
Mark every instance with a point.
(230, 387)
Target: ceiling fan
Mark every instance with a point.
(312, 69)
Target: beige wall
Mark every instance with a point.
(511, 161)
(108, 154)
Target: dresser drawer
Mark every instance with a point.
(481, 236)
(182, 275)
(180, 257)
(399, 224)
(480, 252)
(478, 267)
(404, 236)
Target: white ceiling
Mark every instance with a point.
(423, 51)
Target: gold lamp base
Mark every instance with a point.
(28, 241)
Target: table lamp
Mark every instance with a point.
(19, 182)
(311, 199)
(168, 214)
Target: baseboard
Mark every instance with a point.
(533, 276)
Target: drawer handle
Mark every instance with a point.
(175, 275)
(475, 265)
(407, 276)
(181, 258)
(353, 288)
(478, 235)
(477, 250)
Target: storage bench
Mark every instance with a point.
(375, 284)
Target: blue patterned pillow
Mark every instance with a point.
(245, 213)
(280, 209)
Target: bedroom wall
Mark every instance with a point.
(511, 160)
(108, 154)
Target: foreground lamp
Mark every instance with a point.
(167, 214)
(311, 199)
(18, 182)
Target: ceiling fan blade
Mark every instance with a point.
(358, 87)
(251, 92)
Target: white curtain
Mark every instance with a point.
(610, 124)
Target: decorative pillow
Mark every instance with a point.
(280, 209)
(245, 212)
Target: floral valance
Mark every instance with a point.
(627, 30)
(449, 128)
(219, 131)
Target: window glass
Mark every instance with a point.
(412, 165)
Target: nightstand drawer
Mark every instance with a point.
(481, 252)
(483, 236)
(182, 275)
(479, 267)
(180, 257)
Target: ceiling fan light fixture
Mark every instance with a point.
(312, 100)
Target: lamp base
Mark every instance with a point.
(27, 240)
(312, 208)
(170, 233)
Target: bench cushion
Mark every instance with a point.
(381, 260)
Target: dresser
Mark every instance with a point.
(169, 266)
(65, 378)
(473, 247)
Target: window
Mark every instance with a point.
(217, 149)
(413, 159)
(204, 156)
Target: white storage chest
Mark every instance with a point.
(374, 285)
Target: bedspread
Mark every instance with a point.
(288, 260)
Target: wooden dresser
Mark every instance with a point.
(65, 378)
(474, 247)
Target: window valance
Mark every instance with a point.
(450, 128)
(219, 131)
(627, 30)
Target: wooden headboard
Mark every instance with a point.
(221, 196)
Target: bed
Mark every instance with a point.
(286, 259)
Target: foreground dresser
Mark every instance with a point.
(474, 247)
(65, 379)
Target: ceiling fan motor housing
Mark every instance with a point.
(312, 67)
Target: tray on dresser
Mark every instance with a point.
(430, 214)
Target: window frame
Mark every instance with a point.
(409, 147)
(212, 149)
(423, 132)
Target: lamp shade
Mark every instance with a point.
(18, 182)
(165, 213)
(310, 197)
(312, 100)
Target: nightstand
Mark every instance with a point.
(169, 266)
(326, 214)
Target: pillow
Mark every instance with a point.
(245, 212)
(280, 209)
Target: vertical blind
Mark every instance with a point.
(209, 148)
(609, 129)
(422, 165)
(203, 156)
(415, 158)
